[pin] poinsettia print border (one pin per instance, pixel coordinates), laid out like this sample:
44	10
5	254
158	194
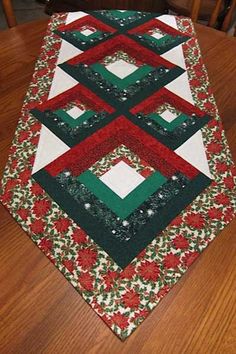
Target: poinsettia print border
123	299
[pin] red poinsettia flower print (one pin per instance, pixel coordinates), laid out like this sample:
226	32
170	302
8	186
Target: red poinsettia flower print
120	320
233	170
218	135
190	257
62	224
24	177
215	213
163	291
221	167
34	140
11	183
43	71
222	199
41	207
12	149
229	214
131	299
37	226
31	160
79	236
128	272
171	261
180	242
45	244
229	182
86	258
195	220
36	189
213	123
23	213
185	23
195	82
69	264
35	127
209	107
214	148
149	270
177	221
14	164
86	281
6	197
23	135
109	279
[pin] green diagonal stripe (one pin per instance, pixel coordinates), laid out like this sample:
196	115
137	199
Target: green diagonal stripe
127	81
169	126
122	207
71	121
82	37
121	15
159	41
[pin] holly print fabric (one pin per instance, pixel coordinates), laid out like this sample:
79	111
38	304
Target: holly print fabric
120	171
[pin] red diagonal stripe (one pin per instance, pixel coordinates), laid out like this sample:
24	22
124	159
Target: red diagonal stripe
154	23
80	93
150	104
122	131
125	44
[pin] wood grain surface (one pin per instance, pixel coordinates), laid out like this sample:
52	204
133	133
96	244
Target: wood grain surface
40	312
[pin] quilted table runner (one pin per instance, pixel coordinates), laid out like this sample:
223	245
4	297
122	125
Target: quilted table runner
119	170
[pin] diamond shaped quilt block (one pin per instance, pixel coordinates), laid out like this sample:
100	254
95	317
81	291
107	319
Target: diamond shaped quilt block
169	118
143	72
128	209
85	32
74	114
158	36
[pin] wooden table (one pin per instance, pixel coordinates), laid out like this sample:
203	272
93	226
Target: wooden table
40	312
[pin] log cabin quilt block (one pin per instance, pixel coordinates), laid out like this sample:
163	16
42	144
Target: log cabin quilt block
120	171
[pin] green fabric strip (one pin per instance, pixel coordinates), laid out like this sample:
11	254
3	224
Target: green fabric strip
82	37
122	207
128	80
160	49
169	126
71	121
159	41
122	15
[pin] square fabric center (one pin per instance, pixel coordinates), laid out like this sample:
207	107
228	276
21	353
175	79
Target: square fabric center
121	68
168	116
75	112
86	32
122	179
157	35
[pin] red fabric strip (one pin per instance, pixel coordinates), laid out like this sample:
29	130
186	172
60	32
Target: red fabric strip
165	96
122	131
125	44
79	93
154	23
